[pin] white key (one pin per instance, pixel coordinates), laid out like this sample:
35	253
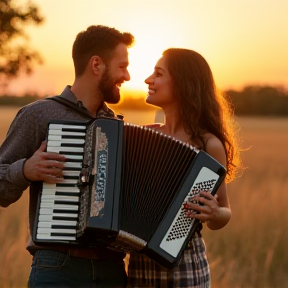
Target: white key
64	141
67	126
63	181
69	181
55	230
65	149
50	217
46	211
50	211
54	137
47	236
70	173
71	223
59	198
47	186
60	138
73	165
66	133
51	204
53	192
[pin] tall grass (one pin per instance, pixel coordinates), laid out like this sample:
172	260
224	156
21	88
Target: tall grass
251	251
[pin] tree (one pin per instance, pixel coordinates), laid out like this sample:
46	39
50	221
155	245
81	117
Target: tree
260	101
15	54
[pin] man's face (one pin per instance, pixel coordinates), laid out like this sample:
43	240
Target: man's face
115	74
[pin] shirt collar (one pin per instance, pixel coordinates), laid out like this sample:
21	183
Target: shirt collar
102	111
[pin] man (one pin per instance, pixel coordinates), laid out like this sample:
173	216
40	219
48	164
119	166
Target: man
100	56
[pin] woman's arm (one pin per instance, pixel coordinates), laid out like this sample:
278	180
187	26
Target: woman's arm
216	209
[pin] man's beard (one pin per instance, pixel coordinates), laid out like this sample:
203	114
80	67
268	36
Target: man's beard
108	89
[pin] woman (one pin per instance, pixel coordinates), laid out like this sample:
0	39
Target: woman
182	85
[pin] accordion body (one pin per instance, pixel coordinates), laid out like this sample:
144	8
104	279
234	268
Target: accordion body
125	186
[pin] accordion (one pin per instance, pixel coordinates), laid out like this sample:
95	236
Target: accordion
125	186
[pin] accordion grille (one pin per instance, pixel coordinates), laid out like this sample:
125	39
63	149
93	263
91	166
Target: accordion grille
154	166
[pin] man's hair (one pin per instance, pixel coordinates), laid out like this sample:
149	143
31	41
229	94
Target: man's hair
97	40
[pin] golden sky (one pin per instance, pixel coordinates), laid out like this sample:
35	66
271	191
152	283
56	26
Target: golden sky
244	41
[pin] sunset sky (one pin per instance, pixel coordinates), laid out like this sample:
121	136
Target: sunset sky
244	41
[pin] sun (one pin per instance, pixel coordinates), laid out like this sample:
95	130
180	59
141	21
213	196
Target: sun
142	59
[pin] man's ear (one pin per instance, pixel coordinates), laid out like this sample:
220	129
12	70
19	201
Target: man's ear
96	64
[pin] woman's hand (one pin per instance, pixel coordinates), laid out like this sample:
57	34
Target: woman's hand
203	207
211	212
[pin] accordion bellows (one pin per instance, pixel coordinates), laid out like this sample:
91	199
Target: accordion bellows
125	187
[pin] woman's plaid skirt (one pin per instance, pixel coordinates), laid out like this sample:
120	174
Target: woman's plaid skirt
192	272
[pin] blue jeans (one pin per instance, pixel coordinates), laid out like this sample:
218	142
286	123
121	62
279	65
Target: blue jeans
55	269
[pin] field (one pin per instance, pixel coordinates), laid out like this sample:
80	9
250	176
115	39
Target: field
251	251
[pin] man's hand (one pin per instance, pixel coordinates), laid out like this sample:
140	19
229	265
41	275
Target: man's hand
44	166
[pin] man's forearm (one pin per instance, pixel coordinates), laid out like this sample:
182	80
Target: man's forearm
12	182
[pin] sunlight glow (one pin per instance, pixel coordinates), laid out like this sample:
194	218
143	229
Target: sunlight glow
244	42
142	59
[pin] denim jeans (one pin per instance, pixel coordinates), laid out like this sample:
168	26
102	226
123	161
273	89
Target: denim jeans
55	269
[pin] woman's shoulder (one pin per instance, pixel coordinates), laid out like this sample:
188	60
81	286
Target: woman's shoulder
211	140
214	147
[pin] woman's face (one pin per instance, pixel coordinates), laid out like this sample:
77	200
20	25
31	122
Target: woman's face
160	86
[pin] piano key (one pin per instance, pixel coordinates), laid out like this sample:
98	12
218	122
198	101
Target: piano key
59	206
46	216
69	181
67	133
67	126
73	164
50	211
66	181
51	199
65	149
56	137
60	215
65	138
74	193
57	192
46	211
55	223
47	236
55	230
65	141
63	198
60	188
59	198
70	173
50	204
75	157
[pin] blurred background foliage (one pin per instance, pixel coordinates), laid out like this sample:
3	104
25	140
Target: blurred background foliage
250	101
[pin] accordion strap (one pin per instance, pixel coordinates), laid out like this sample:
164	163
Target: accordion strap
71	105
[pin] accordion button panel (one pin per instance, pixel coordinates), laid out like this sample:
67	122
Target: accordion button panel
182	224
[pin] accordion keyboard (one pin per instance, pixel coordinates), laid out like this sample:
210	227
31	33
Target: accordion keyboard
59	203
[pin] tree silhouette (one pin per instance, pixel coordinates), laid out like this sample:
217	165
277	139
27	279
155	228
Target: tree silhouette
260	101
15	53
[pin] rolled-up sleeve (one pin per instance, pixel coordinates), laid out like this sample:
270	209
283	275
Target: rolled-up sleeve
21	142
12	182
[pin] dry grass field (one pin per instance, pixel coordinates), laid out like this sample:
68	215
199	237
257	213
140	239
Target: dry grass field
251	251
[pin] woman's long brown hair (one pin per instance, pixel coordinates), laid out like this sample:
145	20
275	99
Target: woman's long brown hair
202	107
